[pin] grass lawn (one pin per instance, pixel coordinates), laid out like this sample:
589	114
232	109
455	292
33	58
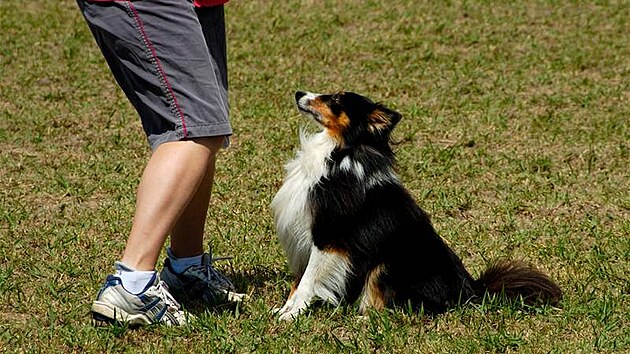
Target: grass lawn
515	138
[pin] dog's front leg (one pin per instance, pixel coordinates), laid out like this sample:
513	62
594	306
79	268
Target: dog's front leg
324	278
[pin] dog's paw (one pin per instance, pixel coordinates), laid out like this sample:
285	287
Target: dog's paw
289	311
276	311
289	315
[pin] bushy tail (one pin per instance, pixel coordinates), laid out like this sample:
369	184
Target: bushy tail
518	280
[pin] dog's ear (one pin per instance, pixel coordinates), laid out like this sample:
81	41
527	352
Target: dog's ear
383	119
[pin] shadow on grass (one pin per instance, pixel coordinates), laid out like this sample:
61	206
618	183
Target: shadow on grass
250	281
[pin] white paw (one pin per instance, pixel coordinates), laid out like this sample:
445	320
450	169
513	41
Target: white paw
289	311
289	315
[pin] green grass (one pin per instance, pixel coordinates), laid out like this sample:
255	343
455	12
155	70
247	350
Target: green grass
515	139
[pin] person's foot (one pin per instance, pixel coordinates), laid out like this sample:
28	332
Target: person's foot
154	305
200	284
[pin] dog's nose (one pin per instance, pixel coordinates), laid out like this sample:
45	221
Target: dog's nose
299	94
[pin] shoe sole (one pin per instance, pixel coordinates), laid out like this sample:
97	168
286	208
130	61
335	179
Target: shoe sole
104	312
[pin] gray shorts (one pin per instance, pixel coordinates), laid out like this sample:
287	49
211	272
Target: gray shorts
170	60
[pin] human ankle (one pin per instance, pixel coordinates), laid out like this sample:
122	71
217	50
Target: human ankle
134	281
180	264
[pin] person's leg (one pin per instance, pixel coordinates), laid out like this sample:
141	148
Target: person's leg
164	66
188	232
173	196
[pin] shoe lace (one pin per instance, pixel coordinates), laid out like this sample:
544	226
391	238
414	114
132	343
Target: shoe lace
217	278
164	294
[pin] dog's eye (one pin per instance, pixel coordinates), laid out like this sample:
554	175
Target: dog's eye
336	98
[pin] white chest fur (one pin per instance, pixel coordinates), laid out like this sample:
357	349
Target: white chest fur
291	206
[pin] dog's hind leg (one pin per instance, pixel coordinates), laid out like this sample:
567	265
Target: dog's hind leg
324	278
372	295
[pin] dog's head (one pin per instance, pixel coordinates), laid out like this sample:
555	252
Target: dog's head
349	118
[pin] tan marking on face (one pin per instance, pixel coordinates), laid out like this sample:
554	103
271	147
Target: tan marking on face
334	124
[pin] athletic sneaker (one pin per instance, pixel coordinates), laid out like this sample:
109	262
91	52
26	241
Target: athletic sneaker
200	284
154	305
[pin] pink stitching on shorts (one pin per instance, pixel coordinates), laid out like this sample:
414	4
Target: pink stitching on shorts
149	45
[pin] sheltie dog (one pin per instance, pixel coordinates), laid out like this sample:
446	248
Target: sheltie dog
353	234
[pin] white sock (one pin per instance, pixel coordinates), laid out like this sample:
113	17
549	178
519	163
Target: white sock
134	281
181	264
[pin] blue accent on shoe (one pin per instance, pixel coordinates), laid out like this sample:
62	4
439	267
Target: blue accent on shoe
150	283
149	305
154	305
111	280
160	314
